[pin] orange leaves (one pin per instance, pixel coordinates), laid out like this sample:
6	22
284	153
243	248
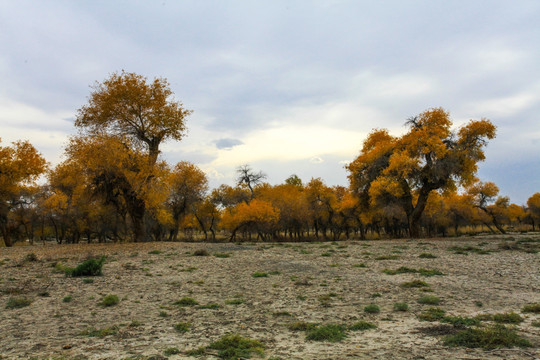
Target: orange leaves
258	212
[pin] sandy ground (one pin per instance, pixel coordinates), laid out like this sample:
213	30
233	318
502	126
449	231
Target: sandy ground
302	285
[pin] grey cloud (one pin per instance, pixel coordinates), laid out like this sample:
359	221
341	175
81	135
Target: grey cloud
227	144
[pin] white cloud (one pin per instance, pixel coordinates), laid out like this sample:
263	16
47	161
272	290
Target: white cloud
316	160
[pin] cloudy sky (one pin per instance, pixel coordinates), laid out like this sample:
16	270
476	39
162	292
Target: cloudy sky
286	86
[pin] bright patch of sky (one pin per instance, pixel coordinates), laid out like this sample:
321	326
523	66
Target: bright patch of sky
286	86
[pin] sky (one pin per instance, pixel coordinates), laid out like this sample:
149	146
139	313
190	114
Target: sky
288	87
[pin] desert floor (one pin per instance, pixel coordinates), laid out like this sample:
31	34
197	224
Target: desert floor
325	283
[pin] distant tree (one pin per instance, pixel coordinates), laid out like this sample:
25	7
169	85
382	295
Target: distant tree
430	156
533	203
485	199
294	180
247	177
20	166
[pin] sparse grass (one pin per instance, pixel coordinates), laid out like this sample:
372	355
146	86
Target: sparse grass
507	318
90	267
182	327
171	351
163	314
432	314
362	325
460	321
429	300
404	270
67	299
88	281
236	301
259	274
401	307
18	302
414	284
362	265
531	308
301	326
234	346
186	301
282	313
329	332
93	332
154	252
31	257
209	306
201	252
222	255
427	256
496	336
387	257
109	300
536	324
326	254
372	309
465	250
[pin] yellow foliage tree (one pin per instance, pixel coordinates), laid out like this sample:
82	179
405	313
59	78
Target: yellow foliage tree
429	157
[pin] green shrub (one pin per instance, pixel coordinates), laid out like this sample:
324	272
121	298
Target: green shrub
259	274
67	299
222	255
362	325
236	301
233	347
90	267
31	257
459	321
429	300
186	301
109	300
209	306
372	309
531	308
497	336
301	326
17	303
401	307
88	281
330	332
171	351
154	252
429	272
182	327
507	318
201	252
401	270
432	314
414	284
427	256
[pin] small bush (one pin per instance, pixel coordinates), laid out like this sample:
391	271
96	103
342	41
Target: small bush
154	252
459	321
401	270
362	265
17	303
415	284
201	252
109	300
93	332
507	318
330	332
401	307
427	256
236	301
210	306
186	301
432	314
259	274
222	255
182	327
88	281
233	346
372	309
387	257
429	300
497	336
31	257
362	325
90	267
171	351
429	272
67	299
531	308
301	326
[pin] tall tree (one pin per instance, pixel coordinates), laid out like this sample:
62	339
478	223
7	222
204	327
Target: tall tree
132	116
429	157
20	166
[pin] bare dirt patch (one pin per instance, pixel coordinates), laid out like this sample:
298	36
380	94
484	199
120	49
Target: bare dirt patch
325	283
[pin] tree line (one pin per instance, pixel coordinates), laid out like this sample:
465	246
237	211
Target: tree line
114	186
